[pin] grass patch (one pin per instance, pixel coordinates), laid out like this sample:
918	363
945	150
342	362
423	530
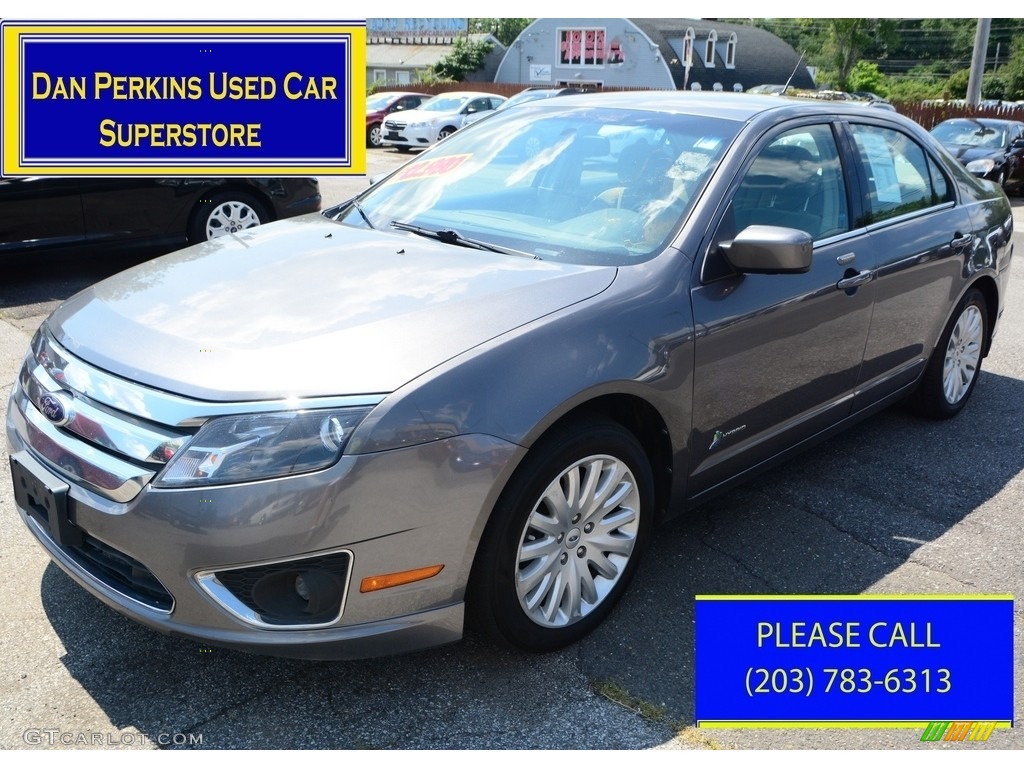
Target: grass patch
655	713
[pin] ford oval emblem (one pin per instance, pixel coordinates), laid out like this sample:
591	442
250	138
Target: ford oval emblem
56	408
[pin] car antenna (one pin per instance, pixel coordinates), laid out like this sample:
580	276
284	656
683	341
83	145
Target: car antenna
791	74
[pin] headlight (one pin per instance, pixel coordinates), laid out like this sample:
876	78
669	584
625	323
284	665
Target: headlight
984	165
237	449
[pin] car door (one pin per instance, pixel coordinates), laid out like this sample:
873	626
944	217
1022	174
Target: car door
38	213
1015	173
778	356
474	109
408	102
120	210
919	238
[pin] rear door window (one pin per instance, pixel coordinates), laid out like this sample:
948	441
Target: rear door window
900	177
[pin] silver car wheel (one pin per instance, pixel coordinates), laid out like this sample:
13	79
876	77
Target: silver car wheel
375	136
963	354
577	541
229	217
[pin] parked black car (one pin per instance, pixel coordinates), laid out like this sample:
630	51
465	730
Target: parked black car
41	214
989	148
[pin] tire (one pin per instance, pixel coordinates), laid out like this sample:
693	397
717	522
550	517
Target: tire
955	365
226	213
445	132
552	564
373	136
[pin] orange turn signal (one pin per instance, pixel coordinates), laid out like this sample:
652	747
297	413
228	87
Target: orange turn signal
387	580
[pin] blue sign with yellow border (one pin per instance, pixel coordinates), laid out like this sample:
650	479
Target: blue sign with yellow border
177	98
853	661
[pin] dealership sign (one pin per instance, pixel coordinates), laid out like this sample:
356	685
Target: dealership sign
179	98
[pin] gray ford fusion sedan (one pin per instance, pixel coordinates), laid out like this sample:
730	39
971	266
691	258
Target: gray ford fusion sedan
474	390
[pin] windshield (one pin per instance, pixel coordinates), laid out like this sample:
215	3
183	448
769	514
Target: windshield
443	103
378	101
579	185
970	133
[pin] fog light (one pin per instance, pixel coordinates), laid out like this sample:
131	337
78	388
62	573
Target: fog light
302	588
297	596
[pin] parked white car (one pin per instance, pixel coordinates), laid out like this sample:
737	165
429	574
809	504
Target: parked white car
435	119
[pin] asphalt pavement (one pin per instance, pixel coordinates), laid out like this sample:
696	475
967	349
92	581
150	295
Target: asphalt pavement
895	506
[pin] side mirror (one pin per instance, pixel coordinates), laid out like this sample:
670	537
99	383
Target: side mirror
766	250
1017	143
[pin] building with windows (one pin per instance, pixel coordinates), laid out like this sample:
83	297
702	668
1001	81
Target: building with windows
398	50
678	54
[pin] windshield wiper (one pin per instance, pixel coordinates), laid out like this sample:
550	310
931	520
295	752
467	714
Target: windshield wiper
451	237
355	204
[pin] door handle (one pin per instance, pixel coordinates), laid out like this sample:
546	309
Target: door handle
852	282
960	241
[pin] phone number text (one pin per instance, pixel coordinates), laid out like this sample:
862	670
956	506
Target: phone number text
801	681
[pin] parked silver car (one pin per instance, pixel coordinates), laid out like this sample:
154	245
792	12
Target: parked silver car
436	119
480	384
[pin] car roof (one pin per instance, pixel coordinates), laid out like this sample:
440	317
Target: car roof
730	106
464	93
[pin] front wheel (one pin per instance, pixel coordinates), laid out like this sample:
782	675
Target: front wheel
565	537
955	365
373	136
444	133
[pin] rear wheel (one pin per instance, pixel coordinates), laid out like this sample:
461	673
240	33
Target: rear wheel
226	213
955	365
565	537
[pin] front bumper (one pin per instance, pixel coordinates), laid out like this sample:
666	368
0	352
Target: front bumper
416	136
390	511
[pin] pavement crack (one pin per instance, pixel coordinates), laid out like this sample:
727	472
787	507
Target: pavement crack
742	564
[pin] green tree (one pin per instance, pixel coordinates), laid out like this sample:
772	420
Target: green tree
865	76
505	30
957	83
1013	71
994	87
914	89
849	40
466	56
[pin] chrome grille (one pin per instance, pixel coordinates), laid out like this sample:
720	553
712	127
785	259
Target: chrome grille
119	434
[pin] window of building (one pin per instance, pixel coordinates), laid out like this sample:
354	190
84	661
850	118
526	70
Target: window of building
582	47
709	50
730	52
688	47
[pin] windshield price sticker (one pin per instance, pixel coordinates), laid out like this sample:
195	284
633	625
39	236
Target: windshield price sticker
843	661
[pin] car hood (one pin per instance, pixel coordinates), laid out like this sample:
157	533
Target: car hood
966	154
308	307
421	116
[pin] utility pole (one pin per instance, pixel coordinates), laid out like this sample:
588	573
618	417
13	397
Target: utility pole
978	62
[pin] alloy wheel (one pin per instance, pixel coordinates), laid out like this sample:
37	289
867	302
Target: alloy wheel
577	541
